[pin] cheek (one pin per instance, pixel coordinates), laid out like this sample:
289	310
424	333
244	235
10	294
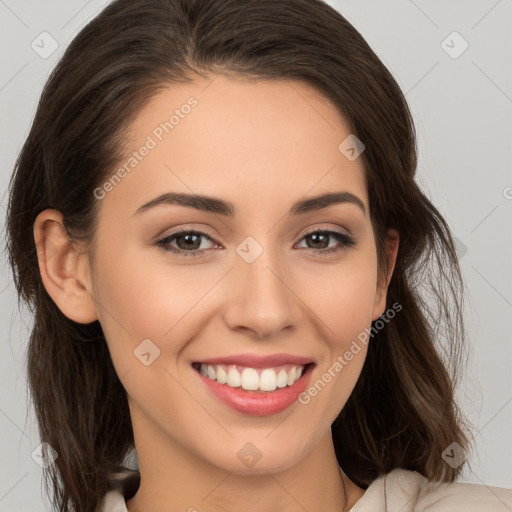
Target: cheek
341	295
342	309
141	296
140	292
341	299
144	311
130	299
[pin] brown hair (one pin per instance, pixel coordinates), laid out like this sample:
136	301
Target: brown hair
402	411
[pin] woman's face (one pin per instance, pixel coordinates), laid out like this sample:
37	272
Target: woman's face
255	282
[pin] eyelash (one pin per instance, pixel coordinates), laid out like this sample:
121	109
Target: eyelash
346	242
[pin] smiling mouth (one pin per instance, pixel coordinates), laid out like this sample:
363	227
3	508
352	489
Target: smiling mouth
253	379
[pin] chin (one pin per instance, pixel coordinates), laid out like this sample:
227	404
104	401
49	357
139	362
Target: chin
245	457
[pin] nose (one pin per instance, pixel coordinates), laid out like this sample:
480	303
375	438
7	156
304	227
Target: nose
261	298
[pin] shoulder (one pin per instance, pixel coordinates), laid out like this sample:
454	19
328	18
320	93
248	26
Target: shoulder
409	491
399	490
460	496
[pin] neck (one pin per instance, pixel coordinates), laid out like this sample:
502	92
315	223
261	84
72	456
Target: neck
174	479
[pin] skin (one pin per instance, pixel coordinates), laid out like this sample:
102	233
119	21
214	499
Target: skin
262	146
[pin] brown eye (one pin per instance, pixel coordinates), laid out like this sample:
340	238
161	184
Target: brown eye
320	239
188	242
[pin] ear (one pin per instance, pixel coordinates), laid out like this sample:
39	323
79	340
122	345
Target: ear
391	244
64	272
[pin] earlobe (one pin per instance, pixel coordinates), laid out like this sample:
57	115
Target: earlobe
391	243
60	270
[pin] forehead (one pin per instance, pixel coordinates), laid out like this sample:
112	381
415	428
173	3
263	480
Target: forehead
222	136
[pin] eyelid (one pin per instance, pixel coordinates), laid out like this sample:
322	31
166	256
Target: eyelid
322	227
189	229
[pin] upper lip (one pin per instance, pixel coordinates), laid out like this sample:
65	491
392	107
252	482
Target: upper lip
258	361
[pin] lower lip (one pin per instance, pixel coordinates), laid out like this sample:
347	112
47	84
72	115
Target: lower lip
258	403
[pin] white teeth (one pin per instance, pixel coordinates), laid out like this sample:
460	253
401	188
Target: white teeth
249	379
268	380
291	376
234	378
222	376
282	379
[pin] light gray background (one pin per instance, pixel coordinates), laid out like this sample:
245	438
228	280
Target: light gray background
462	108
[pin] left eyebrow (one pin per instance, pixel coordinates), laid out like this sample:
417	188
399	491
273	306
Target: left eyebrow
227	209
